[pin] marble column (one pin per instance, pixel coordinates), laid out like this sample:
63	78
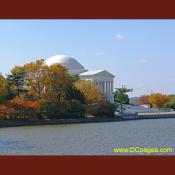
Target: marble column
112	92
101	86
107	90
105	87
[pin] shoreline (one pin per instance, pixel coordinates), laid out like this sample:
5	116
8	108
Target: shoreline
18	123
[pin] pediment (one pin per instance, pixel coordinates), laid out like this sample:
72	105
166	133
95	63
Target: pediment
104	73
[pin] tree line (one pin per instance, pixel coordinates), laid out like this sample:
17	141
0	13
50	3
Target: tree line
158	101
37	91
155	100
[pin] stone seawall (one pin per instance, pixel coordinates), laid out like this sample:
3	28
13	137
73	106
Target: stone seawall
156	115
58	121
124	117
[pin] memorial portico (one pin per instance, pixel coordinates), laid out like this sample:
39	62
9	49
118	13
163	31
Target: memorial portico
103	78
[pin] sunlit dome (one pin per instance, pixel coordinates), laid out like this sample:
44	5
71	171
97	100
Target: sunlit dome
73	66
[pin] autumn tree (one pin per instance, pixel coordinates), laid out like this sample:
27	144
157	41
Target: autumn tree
143	99
158	100
171	103
35	75
91	91
3	90
57	82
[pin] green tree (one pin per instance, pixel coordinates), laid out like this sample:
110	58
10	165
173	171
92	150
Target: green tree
101	109
15	81
73	93
75	78
121	97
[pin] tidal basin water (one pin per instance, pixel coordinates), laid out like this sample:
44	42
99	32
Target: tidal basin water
87	139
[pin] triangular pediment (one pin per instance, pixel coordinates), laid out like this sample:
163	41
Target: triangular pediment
104	73
99	73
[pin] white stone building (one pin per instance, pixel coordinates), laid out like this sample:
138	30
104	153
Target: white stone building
103	78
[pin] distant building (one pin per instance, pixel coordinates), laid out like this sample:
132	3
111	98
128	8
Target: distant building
103	78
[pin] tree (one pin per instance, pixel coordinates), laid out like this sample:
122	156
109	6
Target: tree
57	83
16	83
91	91
75	78
171	103
73	93
35	76
102	109
121	97
3	89
144	99
63	109
158	100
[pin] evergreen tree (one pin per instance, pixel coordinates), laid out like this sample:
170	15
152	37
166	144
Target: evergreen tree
121	97
15	82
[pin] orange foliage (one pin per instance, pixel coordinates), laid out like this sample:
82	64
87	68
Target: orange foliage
23	109
143	99
5	110
91	91
158	100
35	74
35	105
56	83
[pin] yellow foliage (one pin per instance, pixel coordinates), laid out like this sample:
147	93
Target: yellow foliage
158	100
91	91
35	74
56	82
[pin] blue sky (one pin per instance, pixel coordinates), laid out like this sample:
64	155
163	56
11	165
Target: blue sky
141	53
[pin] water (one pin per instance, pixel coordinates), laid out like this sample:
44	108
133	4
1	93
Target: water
87	139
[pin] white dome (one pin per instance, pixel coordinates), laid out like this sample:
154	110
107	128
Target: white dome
73	66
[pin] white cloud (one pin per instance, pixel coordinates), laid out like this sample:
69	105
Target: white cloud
119	37
143	60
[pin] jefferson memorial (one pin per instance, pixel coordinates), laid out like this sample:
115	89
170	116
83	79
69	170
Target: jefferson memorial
103	78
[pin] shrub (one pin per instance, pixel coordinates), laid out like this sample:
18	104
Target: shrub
53	109
77	110
63	109
104	109
24	109
7	113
